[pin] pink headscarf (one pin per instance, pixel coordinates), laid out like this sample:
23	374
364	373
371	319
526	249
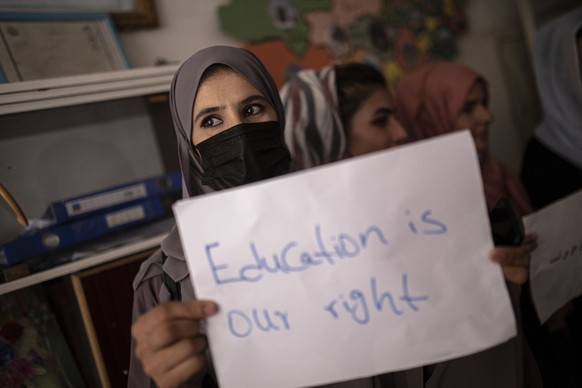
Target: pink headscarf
428	102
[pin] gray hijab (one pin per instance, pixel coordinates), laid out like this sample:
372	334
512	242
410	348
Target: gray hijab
182	96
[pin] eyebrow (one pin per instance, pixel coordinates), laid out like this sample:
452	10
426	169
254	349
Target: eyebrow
206	111
385	110
470	103
214	109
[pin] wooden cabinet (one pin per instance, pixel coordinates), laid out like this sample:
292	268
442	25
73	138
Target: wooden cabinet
92	297
103	295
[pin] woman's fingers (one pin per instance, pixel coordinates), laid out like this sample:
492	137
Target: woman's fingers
517	275
177	363
162	320
169	344
515	256
514	261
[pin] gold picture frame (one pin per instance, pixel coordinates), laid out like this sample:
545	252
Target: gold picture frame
144	15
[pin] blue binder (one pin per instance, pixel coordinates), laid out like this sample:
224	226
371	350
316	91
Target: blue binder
115	197
61	236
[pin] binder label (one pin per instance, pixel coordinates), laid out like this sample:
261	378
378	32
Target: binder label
99	201
125	216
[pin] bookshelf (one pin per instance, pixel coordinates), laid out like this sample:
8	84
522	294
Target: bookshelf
29	96
80	288
82	264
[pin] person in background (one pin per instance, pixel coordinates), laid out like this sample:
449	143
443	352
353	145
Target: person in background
551	170
552	164
346	110
337	112
444	97
440	98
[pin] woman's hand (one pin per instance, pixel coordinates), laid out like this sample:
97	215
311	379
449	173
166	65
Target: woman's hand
169	343
514	261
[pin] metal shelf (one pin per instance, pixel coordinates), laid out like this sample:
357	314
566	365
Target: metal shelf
28	96
19	97
76	266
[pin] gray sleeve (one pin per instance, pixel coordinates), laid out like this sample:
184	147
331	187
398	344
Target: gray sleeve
145	297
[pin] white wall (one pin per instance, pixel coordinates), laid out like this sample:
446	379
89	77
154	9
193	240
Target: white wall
494	41
496	47
493	46
59	153
186	26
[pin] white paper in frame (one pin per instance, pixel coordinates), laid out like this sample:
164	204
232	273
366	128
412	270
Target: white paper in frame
39	46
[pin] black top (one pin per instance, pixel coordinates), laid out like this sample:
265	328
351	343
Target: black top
546	176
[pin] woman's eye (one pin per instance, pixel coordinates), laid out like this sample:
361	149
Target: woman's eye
252	110
380	122
468	107
210	122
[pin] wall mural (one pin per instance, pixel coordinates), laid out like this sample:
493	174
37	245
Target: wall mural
394	35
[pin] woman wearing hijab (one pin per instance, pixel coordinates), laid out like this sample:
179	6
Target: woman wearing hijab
334	113
229	123
346	110
221	95
444	97
337	112
552	165
229	120
441	98
551	170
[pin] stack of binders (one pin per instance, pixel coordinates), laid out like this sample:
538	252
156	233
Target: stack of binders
86	217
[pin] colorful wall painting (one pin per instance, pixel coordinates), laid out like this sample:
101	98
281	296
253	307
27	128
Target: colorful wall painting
394	35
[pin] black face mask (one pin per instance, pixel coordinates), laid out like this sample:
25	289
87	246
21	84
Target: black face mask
243	154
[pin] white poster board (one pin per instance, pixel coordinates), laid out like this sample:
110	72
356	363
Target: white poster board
556	264
370	265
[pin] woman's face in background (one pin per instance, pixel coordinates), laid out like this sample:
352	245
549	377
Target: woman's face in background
373	126
475	116
224	100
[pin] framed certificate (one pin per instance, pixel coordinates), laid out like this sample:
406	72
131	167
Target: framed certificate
38	46
67	5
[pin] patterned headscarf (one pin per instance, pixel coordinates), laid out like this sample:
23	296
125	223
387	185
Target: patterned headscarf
314	134
428	102
557	69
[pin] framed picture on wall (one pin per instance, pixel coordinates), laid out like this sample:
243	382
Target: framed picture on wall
47	45
67	5
143	15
